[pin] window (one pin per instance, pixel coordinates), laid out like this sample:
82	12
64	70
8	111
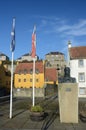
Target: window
30	80
46	79
25	71
82	91
37	80
31	71
24	80
37	71
19	80
48	64
20	71
81	63
81	77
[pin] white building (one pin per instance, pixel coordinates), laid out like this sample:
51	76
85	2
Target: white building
27	57
77	63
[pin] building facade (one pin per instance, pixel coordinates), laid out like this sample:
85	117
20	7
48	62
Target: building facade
23	77
77	64
55	60
26	57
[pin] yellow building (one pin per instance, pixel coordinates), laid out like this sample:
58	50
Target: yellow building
45	79
23	77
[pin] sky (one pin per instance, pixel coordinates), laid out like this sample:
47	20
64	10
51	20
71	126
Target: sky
57	22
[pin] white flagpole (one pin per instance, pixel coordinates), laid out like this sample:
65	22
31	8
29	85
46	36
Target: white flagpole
11	86
33	81
33	56
12	50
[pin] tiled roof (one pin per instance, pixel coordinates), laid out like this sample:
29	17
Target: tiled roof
77	52
29	66
50	74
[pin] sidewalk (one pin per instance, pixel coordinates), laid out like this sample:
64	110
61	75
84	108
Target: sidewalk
21	121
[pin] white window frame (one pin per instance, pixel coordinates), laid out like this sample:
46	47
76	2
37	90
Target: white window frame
80	63
80	78
82	91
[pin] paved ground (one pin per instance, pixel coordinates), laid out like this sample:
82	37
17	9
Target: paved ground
21	119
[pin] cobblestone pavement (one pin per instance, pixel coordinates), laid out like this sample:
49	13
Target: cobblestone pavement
21	117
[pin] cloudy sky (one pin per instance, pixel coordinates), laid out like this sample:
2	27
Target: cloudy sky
57	22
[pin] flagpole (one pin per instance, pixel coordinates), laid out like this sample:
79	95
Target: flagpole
12	47
33	54
33	81
11	86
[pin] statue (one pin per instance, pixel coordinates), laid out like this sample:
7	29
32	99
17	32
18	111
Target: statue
66	78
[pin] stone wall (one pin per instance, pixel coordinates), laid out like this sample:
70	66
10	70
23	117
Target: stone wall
51	89
27	92
39	92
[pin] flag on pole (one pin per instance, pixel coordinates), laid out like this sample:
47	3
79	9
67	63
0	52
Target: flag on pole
33	53
12	46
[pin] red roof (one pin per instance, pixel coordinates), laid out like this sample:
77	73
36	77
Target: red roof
29	66
78	52
50	74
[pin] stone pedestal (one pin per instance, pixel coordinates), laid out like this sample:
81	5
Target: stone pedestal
68	102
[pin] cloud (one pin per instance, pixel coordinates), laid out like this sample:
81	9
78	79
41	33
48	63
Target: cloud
61	27
77	29
58	25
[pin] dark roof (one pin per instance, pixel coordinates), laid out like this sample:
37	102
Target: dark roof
55	53
27	54
19	58
2	54
77	52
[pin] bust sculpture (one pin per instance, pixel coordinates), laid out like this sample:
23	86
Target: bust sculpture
66	78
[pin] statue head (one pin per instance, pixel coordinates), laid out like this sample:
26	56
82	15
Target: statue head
66	72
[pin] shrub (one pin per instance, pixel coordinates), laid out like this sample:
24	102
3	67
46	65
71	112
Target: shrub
36	108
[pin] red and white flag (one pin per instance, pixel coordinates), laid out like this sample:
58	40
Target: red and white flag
33	53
